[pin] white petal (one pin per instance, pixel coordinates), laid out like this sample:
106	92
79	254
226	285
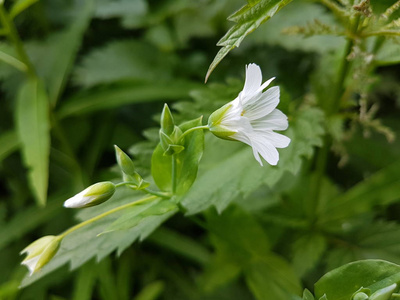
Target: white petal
31	263
264	105
78	200
276	139
276	120
265	84
266	150
253	81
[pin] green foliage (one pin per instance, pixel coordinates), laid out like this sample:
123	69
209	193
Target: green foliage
33	127
248	18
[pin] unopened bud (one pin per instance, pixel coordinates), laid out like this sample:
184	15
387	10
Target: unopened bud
124	161
385	293
40	252
167	121
93	195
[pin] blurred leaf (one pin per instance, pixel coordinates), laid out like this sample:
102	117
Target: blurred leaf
271	277
381	188
54	57
9	142
388	54
26	220
343	282
237	173
180	244
307	252
187	161
133	216
84	282
272	32
19	6
84	243
151	291
131	12
126	59
33	127
268	275
122	93
248	18
107	285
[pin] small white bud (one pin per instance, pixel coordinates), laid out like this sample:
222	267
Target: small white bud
93	195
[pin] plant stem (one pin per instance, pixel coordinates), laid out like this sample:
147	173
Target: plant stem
173	173
107	213
205	127
14	38
148	191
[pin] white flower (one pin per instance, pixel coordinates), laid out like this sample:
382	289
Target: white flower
252	118
93	195
40	252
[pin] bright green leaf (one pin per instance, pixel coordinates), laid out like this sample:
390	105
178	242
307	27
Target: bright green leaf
33	127
248	18
19	6
307	295
343	282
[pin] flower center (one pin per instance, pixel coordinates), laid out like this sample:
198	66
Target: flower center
243	112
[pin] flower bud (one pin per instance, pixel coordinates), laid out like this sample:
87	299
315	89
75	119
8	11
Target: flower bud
124	161
167	121
385	293
93	195
40	252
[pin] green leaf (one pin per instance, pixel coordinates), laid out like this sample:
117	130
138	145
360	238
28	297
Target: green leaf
151	291
380	188
131	12
307	295
229	168
343	282
122	93
181	244
19	6
388	54
268	275
271	277
33	127
9	142
248	18
137	214
187	161
307	251
54	58
129	59
84	244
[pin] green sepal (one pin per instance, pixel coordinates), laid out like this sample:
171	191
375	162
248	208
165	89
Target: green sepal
138	182
167	121
173	149
124	161
361	294
165	140
214	123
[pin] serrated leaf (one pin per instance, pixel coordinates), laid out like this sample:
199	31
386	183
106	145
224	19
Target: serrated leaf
187	161
343	282
122	93
85	244
33	127
229	168
137	214
248	18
